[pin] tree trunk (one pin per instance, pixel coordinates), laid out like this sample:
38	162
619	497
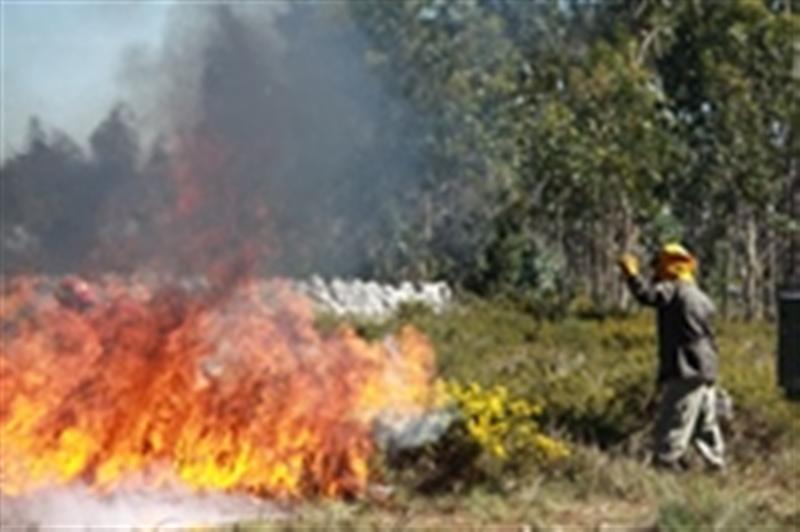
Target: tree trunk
791	264
770	284
726	276
752	300
594	265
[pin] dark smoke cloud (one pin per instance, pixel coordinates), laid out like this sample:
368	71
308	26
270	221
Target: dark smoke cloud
288	138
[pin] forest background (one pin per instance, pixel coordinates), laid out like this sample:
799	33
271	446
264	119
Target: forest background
538	141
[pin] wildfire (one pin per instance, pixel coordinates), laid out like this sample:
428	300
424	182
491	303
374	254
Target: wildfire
238	394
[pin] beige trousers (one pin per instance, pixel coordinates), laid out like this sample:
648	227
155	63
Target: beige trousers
687	415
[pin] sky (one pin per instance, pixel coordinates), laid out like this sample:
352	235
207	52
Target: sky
61	60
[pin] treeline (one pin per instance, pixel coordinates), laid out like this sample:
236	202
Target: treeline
559	134
507	147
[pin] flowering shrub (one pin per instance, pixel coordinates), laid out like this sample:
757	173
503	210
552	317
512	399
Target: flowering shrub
503	427
494	439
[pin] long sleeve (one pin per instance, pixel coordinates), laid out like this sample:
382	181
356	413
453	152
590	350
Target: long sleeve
654	295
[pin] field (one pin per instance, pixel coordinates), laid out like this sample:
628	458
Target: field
593	377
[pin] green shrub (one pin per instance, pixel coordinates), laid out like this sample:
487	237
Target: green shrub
494	437
764	418
598	376
595	379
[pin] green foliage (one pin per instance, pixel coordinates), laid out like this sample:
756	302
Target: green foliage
515	148
596	377
456	68
765	420
564	133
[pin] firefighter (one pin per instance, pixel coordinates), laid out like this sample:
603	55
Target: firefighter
688	365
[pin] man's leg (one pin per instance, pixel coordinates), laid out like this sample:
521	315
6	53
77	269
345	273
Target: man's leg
708	435
677	417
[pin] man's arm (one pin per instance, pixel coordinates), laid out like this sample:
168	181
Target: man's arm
654	295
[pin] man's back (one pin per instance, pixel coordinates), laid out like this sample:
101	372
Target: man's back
686	340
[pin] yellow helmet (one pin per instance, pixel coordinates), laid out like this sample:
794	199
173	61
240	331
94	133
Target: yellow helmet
675	262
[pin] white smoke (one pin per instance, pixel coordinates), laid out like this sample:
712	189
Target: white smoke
396	433
370	299
131	508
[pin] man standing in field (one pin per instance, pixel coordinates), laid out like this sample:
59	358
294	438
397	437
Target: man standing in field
688	365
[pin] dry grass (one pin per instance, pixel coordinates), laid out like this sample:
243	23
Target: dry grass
595	377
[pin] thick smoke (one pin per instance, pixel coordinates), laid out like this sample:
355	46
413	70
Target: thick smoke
252	124
131	509
253	141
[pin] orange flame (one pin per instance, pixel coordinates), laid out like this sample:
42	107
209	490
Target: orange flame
243	395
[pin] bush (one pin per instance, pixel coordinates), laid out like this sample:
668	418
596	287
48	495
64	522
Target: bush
596	376
591	383
764	419
504	428
493	434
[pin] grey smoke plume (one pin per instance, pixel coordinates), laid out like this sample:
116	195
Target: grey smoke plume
280	111
283	92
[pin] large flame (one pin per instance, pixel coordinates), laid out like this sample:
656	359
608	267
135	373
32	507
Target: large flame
238	394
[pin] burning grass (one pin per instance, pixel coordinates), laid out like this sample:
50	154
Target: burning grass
236	393
210	379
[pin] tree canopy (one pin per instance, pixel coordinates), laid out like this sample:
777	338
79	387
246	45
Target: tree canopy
523	146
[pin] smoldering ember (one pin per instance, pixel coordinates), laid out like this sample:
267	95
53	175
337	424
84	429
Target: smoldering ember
383	264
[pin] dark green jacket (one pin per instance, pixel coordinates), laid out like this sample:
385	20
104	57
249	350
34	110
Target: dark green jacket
686	345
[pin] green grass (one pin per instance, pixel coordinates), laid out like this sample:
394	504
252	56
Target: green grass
595	377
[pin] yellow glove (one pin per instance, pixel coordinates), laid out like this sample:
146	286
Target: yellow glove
629	265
